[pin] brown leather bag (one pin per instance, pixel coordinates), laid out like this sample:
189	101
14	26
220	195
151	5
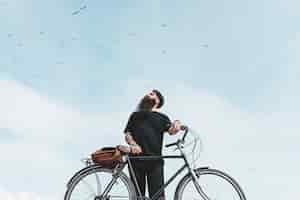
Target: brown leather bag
107	157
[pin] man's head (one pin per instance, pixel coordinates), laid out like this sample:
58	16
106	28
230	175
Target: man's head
152	100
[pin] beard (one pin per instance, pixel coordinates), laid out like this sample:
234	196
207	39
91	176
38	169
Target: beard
146	104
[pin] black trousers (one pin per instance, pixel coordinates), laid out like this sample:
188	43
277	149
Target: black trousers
153	172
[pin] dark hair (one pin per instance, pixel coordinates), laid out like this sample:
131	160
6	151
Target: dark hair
161	98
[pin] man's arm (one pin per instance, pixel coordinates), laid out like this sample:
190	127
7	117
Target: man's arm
175	127
129	139
134	147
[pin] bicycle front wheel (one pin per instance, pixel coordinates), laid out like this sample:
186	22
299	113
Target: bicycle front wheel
216	185
91	185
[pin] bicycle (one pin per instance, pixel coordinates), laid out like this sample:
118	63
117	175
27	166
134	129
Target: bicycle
106	184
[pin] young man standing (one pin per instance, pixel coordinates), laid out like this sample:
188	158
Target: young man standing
144	133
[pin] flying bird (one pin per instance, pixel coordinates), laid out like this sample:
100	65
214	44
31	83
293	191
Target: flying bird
19	44
80	9
76	12
59	62
83	7
132	34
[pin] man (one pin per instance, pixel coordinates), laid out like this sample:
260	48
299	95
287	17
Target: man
144	133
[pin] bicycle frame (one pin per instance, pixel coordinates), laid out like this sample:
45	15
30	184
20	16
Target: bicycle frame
118	173
160	191
182	155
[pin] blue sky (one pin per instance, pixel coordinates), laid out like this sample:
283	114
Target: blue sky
111	42
232	62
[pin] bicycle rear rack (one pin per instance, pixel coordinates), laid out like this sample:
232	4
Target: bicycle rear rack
87	161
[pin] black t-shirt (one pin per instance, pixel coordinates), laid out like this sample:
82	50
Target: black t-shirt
147	128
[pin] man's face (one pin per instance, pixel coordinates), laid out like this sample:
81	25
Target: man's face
152	95
149	102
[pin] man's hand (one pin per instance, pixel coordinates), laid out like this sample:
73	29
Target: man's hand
136	149
175	127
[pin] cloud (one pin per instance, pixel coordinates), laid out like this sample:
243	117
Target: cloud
250	146
289	94
4	194
27	113
51	137
290	7
48	137
43	139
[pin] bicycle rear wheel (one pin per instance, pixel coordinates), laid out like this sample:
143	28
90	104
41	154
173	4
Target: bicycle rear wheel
216	184
91	184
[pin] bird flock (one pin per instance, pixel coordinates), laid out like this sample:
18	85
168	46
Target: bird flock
74	37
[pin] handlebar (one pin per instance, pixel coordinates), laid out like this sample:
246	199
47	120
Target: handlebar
186	130
171	144
183	128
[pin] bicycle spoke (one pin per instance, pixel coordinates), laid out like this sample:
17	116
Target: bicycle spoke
215	190
118	197
99	191
101	181
91	195
79	197
214	184
89	187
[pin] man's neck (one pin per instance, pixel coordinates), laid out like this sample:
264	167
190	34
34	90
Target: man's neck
155	110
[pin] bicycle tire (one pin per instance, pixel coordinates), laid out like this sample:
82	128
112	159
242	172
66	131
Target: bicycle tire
200	173
97	171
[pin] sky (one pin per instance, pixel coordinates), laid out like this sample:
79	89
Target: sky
71	72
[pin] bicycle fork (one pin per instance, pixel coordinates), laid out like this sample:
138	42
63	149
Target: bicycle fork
197	186
194	178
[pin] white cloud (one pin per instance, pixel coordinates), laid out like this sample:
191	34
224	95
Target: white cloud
50	137
27	112
6	195
253	147
250	146
30	114
290	7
